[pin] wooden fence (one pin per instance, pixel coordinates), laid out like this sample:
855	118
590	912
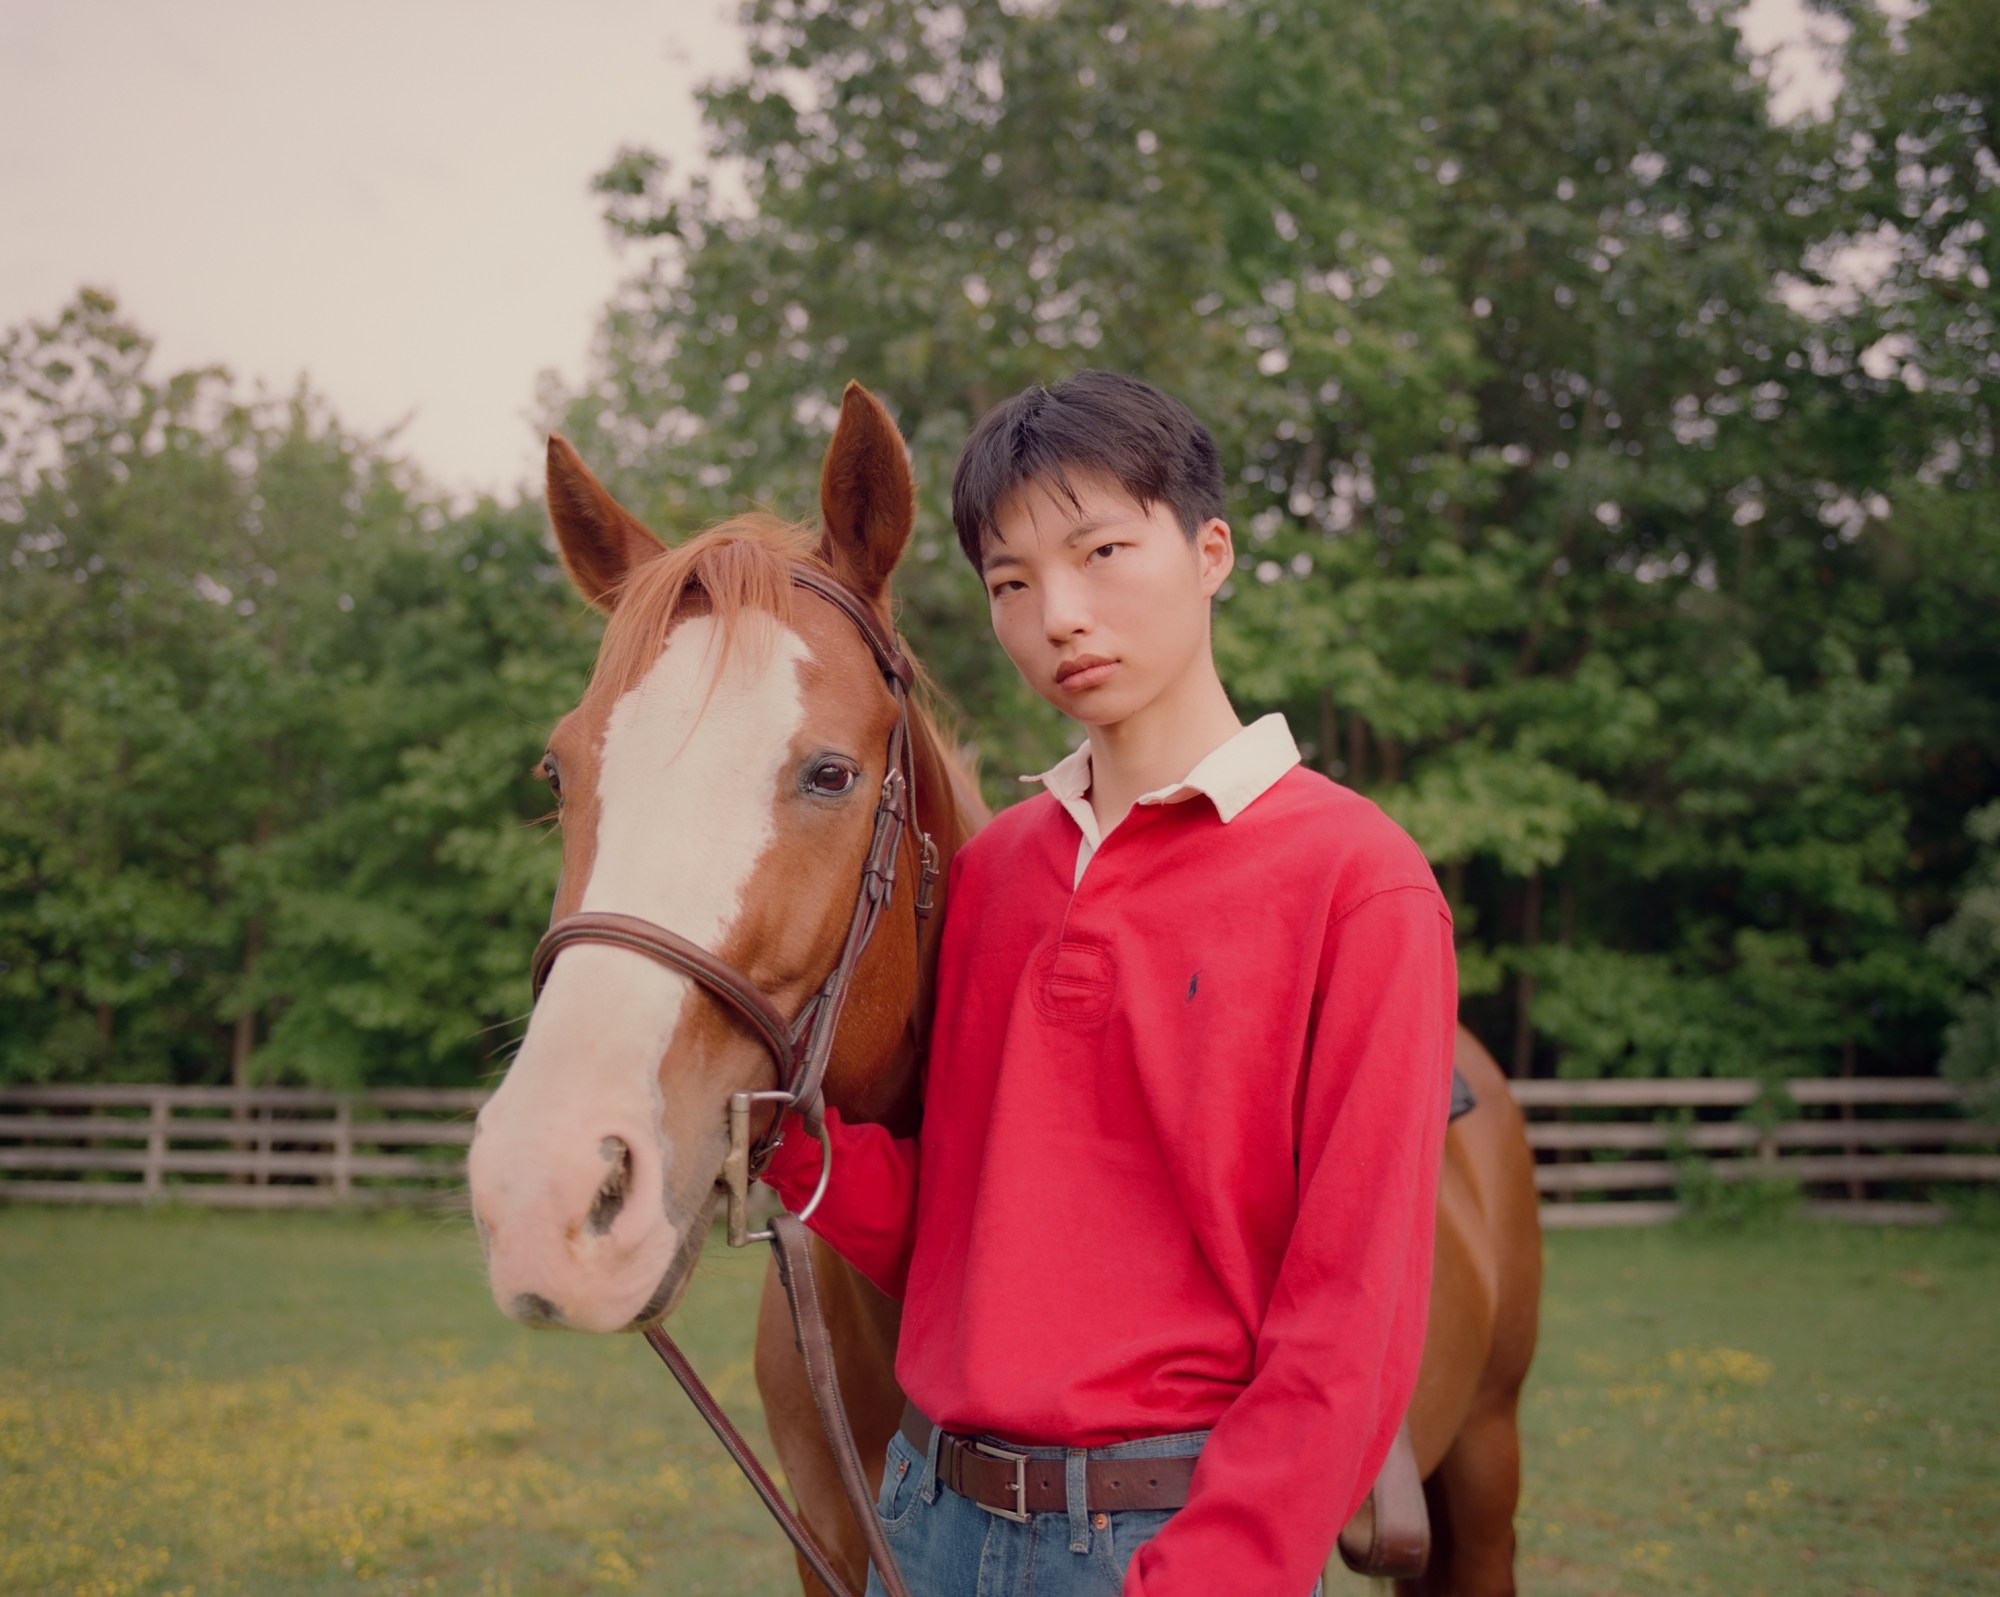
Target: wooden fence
1858	1148
1607	1152
265	1148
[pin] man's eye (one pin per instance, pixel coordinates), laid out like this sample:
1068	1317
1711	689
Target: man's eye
832	778
1102	550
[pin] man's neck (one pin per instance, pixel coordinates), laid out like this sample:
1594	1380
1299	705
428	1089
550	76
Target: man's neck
1159	746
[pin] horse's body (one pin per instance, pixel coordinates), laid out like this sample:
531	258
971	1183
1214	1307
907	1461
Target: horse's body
1485	1289
706	778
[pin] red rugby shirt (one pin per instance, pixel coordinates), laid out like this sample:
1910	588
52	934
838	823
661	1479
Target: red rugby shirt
1178	1166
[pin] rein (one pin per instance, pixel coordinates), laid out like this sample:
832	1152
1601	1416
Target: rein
801	1049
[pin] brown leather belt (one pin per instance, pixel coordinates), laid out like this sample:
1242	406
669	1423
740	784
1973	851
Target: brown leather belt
1014	1485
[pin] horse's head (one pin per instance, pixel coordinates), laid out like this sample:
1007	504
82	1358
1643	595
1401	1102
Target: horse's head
719	779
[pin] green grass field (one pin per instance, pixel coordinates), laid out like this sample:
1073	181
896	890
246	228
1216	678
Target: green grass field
311	1404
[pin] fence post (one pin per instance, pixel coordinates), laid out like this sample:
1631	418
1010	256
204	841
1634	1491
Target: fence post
155	1180
343	1148
1769	1104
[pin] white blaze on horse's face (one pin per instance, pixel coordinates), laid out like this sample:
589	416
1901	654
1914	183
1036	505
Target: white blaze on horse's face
588	1214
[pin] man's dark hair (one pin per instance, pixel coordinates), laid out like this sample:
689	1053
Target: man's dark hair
1095	421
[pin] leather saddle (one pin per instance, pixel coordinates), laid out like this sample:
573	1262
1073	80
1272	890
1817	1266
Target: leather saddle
1389	1537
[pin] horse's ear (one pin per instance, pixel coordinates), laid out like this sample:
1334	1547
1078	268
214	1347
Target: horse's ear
598	538
867	497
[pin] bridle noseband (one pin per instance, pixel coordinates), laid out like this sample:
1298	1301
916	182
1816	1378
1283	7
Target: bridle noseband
801	1047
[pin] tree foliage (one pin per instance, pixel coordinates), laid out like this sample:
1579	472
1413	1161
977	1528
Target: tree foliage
1612	468
1589	518
1969	943
265	712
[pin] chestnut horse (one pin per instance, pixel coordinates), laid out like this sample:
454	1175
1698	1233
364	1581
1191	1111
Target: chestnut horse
718	778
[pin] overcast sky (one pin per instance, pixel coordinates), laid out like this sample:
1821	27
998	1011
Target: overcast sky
391	196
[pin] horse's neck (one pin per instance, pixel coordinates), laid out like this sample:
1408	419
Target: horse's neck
948	809
948	802
954	811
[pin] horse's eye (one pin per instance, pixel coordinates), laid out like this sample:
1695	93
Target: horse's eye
832	778
553	773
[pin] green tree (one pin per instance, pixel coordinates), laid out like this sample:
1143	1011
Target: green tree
1559	494
1969	943
262	799
1913	330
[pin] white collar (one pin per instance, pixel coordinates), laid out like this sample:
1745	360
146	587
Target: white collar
1233	776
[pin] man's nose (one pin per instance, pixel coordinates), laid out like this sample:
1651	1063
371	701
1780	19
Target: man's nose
1064	611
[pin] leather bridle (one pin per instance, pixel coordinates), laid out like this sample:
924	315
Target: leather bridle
801	1047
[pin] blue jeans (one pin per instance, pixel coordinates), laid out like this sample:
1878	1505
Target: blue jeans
948	1546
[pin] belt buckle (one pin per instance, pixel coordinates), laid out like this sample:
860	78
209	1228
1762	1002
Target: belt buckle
1019	1486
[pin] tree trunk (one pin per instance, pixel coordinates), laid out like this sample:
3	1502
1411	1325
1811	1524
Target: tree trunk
1392	759
1524	981
243	1037
1856	1189
243	1043
243	1034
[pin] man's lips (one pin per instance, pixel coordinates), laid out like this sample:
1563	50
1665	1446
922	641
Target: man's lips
1085	671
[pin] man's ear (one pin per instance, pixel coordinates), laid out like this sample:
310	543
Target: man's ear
598	538
1215	554
867	496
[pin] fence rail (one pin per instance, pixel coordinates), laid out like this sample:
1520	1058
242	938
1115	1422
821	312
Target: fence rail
1607	1152
1862	1148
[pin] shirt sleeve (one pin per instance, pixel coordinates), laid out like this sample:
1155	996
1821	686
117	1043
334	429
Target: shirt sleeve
869	1211
1337	1355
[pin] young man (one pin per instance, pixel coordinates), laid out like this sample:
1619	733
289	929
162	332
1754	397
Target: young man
1164	1240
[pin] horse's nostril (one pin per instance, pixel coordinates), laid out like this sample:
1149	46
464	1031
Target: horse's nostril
611	1191
534	1309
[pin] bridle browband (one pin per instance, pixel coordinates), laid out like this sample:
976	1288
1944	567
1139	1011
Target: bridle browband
801	1047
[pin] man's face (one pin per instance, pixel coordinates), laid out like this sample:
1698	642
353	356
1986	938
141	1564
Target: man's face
1101	605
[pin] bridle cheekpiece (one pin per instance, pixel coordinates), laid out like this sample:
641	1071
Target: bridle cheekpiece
801	1047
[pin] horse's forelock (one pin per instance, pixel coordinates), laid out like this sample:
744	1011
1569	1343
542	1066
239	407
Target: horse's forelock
741	565
744	565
